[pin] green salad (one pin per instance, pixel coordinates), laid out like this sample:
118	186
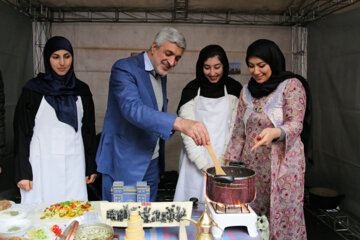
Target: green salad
41	233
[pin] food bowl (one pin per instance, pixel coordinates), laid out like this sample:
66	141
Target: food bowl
15	228
94	231
12	214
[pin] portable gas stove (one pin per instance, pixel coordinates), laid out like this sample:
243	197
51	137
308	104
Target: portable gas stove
231	216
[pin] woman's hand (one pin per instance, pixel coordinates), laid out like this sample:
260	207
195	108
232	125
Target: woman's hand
90	179
266	137
25	184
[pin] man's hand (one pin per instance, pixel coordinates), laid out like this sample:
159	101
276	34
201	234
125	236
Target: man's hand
91	178
196	130
266	137
25	184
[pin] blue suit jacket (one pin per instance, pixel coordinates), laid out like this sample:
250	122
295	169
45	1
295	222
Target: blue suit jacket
132	123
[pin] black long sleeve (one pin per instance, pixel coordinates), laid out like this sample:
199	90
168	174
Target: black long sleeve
24	121
2	123
89	134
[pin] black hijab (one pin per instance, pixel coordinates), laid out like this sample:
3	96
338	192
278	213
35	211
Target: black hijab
60	91
208	89
270	52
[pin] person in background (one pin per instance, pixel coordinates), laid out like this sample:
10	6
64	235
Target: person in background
212	98
274	111
54	127
136	123
2	124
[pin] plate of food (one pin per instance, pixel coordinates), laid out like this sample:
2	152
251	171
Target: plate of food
15	228
44	231
13	213
6	204
66	210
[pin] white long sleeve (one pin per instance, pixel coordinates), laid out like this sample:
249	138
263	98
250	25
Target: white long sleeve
194	152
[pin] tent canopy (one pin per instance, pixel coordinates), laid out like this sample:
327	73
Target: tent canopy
256	12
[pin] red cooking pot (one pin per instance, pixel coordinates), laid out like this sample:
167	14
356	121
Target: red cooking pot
241	190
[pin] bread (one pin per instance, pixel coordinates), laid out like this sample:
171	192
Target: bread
4	204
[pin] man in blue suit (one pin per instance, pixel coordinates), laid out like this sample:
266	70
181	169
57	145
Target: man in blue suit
136	124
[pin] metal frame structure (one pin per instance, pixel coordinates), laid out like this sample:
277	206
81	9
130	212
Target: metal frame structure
299	12
297	15
345	226
42	32
299	50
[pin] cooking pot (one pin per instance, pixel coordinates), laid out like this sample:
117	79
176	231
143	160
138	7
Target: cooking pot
324	198
241	190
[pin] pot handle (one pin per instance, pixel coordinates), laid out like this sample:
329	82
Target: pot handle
224	178
193	222
237	164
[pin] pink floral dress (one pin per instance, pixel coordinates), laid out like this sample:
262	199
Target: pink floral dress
279	167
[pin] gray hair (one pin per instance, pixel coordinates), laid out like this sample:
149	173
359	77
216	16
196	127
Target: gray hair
171	35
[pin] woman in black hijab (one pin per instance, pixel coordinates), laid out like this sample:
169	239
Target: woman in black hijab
212	99
273	116
54	126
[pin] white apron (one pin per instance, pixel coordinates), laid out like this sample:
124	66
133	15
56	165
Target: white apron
215	113
57	159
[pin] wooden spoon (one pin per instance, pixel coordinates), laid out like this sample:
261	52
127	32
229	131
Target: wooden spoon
220	175
218	169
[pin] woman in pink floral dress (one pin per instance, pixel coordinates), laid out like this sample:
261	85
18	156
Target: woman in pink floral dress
267	137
